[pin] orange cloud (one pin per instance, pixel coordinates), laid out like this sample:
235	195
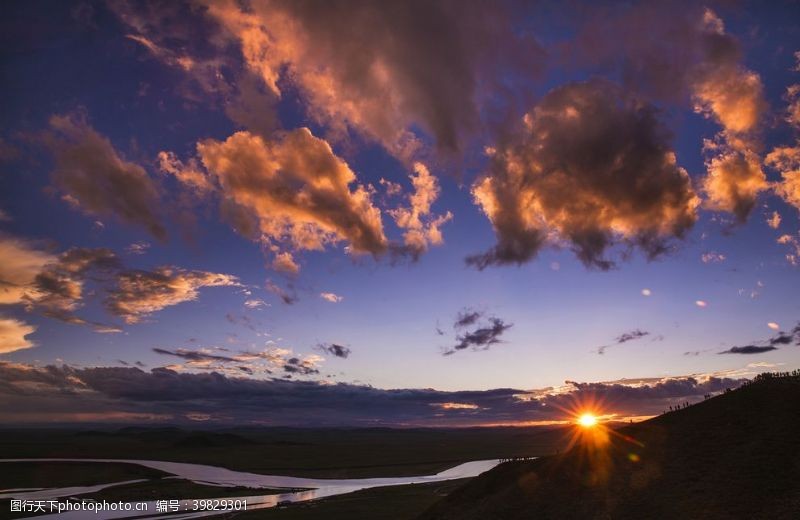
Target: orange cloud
391	69
786	160
421	227
190	174
734	180
293	191
138	294
13	335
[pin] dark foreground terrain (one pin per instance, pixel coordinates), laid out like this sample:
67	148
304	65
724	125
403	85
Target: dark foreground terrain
302	452
733	456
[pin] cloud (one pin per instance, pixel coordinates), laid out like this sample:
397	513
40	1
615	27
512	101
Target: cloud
137	248
734	179
285	263
481	338
193	355
749	349
781	338
774	221
422	65
38	394
624	338
712	257
20	263
293	191
678	53
95	179
701	303
255	303
224	361
288	297
786	160
793	256
139	293
305	366
190	174
13	335
335	350
331	297
591	167
51	284
467	317
422	229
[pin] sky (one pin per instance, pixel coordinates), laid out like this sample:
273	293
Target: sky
401	213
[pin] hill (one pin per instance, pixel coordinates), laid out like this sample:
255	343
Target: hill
736	455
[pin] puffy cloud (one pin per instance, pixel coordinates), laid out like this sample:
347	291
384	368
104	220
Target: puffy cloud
34	393
680	52
293	191
97	180
285	263
786	160
13	335
734	179
138	293
591	167
421	227
331	297
190	174
419	63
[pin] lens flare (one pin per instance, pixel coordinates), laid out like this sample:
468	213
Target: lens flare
587	420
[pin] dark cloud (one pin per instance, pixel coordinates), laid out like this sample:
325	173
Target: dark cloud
36	394
624	338
334	350
749	349
781	338
193	355
97	180
590	167
481	338
300	366
289	297
467	317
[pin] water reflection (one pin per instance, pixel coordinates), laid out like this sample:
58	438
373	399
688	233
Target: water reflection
215	476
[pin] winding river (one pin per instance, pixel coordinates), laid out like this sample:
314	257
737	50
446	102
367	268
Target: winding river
216	476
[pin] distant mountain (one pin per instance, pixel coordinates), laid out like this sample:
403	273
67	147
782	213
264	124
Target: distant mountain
733	456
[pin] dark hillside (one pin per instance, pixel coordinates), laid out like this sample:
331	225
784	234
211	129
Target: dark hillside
736	455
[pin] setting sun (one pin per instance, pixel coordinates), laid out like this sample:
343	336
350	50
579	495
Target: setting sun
587	420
